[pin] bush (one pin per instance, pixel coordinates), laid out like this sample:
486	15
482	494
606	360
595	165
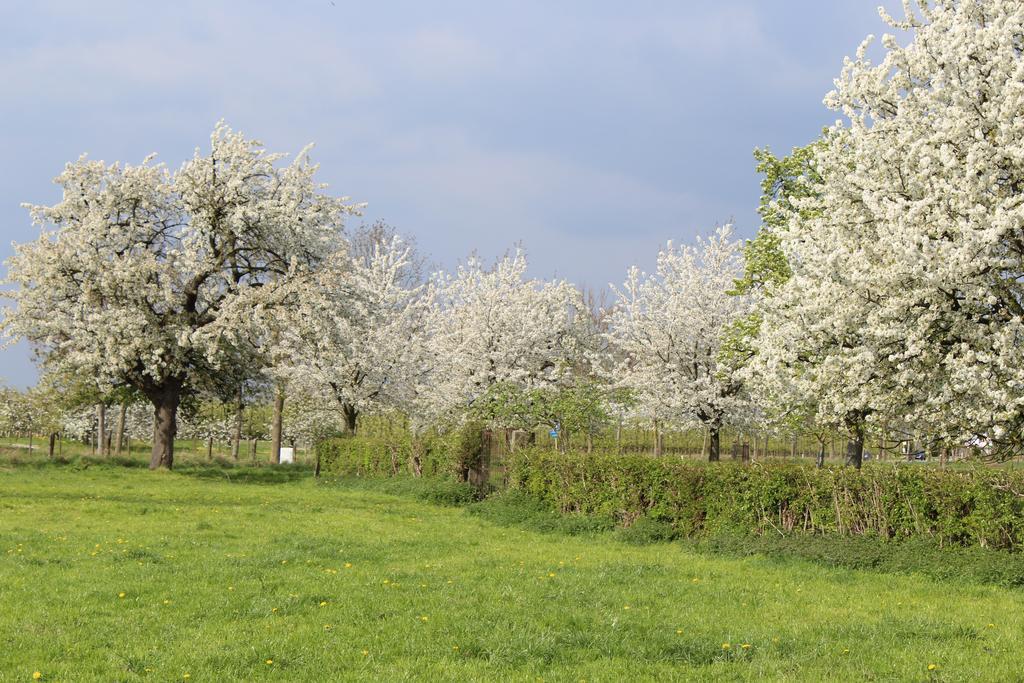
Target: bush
977	507
450	455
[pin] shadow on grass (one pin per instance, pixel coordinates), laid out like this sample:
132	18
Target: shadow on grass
220	469
247	474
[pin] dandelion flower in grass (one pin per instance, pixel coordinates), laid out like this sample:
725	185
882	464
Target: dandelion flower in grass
991	626
121	595
348	565
679	631
625	607
933	667
186	675
726	646
270	662
327	627
424	618
745	646
366	653
167	602
551	575
455	647
37	675
323	603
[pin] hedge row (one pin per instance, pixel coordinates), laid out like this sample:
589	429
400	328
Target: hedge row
977	507
449	456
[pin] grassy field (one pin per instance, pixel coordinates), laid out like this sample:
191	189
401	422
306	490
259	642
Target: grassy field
206	574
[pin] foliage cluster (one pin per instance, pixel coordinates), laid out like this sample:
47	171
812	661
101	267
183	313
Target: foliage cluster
972	507
447	456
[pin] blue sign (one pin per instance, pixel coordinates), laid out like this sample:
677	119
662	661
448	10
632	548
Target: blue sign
553	433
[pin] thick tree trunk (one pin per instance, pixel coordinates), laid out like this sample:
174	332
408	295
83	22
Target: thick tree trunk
252	450
119	439
275	427
713	437
855	446
820	461
351	416
165	402
236	439
101	428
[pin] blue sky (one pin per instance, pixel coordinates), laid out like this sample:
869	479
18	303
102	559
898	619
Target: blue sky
592	132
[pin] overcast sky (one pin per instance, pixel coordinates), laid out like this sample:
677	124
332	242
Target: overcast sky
592	132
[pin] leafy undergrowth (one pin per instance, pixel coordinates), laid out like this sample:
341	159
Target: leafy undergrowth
110	573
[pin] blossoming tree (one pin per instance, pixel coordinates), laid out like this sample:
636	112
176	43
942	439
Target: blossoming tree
358	333
666	331
148	278
489	327
905	299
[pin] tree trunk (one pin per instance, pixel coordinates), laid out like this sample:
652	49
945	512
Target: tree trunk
119	440
657	438
165	402
275	427
101	428
209	448
53	443
252	450
236	439
820	461
30	443
855	446
351	415
713	438
792	447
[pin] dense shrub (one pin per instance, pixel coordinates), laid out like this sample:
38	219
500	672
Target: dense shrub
976	507
449	455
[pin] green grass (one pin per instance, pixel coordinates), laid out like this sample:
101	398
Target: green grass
225	569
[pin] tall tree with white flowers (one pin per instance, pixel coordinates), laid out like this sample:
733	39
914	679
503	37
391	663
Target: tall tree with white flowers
148	278
493	326
906	296
666	333
357	335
